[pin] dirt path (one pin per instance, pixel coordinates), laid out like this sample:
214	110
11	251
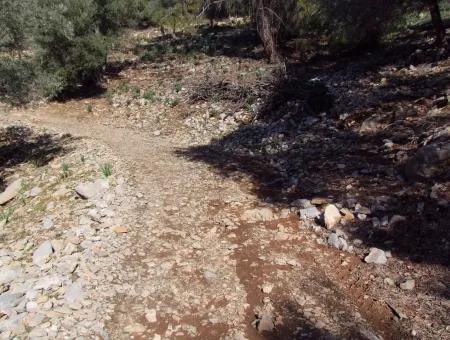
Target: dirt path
197	268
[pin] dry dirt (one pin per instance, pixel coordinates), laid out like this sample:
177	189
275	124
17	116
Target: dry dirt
200	267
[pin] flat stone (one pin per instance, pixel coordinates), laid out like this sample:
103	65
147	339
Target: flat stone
35	191
42	253
376	256
74	292
11	191
150	315
9	273
88	190
408	284
320	201
47	222
332	216
338	242
258	214
362	210
267	288
48	282
389	281
265	324
10	300
135	328
396	219
301	203
310	213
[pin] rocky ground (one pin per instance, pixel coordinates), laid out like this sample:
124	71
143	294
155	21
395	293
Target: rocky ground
205	194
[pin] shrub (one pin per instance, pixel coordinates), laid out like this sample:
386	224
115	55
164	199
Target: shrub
71	50
16	80
106	170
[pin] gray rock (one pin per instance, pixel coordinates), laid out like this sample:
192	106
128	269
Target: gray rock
429	161
408	284
8	274
302	203
35	191
376	256
310	213
135	328
74	292
258	214
333	240
338	242
389	281
88	190
209	275
10	300
42	253
331	216
47	222
150	315
48	282
265	323
362	210
11	191
371	125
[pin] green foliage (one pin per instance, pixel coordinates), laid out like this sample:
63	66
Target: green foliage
69	45
106	169
65	170
135	92
178	87
6	214
149	95
15	23
172	102
17	78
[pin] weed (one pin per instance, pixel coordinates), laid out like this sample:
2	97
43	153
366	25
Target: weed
6	214
82	158
149	95
178	87
259	73
172	102
135	92
38	160
109	97
106	170
65	170
123	87
89	108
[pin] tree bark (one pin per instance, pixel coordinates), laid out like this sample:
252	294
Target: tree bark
267	29
436	20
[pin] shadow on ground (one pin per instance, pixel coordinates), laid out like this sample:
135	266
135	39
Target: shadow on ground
20	145
219	41
336	128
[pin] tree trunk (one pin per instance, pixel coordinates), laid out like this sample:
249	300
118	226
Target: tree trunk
267	29
436	20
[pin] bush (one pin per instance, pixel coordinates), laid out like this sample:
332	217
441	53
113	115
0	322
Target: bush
71	51
15	23
16	80
349	23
